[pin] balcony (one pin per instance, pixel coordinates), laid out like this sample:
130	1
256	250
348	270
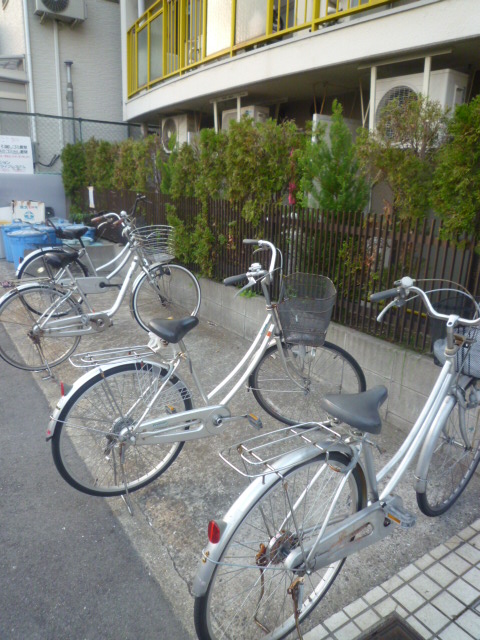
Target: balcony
175	36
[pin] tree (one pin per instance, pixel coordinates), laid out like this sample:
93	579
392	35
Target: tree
456	183
330	170
402	152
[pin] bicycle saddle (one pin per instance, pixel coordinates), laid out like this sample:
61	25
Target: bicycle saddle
173	330
60	259
71	234
359	410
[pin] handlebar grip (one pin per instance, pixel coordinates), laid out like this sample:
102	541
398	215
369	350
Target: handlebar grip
247	241
117	223
383	295
97	219
234	279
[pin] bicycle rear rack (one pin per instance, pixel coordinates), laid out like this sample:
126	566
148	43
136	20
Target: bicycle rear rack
261	454
90	359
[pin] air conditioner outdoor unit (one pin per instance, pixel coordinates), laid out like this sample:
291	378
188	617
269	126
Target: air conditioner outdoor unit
181	126
259	114
447	86
64	10
352	124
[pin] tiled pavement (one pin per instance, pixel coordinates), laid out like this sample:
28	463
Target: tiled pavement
438	597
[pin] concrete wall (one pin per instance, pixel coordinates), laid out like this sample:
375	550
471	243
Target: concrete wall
42	188
409	377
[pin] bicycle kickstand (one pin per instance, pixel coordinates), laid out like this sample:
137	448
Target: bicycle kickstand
126	496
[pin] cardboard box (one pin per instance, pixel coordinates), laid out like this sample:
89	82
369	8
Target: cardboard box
29	211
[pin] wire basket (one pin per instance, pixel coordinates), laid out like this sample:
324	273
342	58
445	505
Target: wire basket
306	308
156	242
467	358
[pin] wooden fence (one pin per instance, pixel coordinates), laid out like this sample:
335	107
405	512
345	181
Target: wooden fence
361	254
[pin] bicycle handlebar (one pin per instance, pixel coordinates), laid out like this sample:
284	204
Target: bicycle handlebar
404	287
234	279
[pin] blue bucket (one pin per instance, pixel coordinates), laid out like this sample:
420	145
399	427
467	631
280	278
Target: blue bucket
25	240
6	230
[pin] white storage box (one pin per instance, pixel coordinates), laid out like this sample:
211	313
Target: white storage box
29	211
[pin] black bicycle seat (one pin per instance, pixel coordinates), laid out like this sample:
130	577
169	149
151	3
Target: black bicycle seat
172	330
359	410
60	259
71	234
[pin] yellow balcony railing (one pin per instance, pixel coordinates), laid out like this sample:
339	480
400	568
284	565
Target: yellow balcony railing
174	36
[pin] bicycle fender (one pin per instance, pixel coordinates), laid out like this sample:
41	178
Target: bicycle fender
429	445
35	254
24	287
229	523
54	418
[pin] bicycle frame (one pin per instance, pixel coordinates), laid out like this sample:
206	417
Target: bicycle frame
336	541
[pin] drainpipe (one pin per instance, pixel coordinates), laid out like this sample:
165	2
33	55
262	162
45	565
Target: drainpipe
28	55
56	56
373	94
69	96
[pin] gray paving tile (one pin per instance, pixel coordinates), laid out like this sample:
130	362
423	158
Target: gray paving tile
440	574
356	607
409	598
455	563
470	621
426	587
449	605
419	628
349	632
463	591
454	632
431	617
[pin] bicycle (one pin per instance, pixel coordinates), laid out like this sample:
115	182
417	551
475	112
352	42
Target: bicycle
47	318
315	498
124	423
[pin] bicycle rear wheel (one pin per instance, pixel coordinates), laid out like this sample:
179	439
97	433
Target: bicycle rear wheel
91	447
169	291
32	349
37	266
455	455
291	395
247	596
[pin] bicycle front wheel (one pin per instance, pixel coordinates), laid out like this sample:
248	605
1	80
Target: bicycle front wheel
248	593
289	387
455	456
168	291
31	348
37	266
91	445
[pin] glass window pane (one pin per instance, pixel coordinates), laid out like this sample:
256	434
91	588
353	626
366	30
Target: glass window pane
156	42
219	25
142	57
251	20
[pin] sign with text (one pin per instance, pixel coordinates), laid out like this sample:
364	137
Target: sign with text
16	155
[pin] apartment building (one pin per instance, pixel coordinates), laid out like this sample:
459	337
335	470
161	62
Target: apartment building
188	64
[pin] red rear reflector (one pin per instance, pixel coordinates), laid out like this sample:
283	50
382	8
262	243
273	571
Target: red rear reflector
62	389
213	532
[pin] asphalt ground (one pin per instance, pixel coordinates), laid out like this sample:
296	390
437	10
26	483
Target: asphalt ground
167	531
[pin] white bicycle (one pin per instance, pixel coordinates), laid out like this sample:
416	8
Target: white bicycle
316	499
46	318
125	422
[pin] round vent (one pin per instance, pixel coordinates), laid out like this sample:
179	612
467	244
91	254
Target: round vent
56	6
169	130
400	93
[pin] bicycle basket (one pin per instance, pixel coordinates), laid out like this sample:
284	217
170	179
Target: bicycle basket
306	308
156	242
466	360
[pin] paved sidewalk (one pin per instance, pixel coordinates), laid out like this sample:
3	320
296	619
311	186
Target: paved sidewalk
438	596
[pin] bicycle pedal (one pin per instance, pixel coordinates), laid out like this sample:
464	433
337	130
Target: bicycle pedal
254	421
400	516
170	410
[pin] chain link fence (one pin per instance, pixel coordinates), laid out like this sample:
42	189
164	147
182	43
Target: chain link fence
49	134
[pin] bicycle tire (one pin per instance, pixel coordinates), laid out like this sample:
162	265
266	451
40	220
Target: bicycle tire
453	461
30	350
248	587
36	266
321	370
85	446
176	295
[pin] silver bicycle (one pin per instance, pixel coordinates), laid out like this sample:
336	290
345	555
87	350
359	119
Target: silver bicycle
125	422
316	499
46	318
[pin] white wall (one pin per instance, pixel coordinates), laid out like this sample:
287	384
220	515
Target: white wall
94	48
